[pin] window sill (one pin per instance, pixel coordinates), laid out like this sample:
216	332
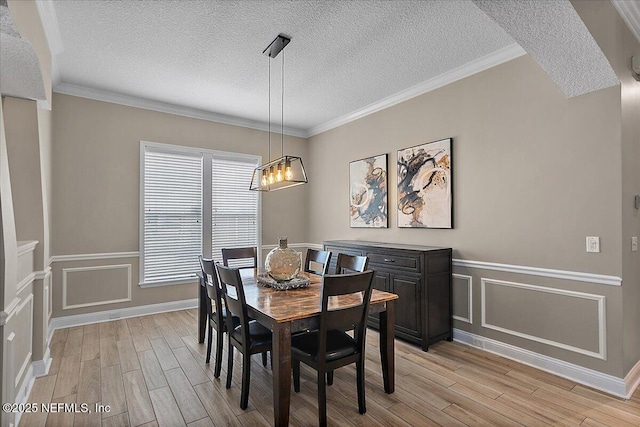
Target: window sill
187	281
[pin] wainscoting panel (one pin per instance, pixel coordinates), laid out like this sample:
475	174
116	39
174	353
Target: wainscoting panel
95	285
573	321
463	298
23	327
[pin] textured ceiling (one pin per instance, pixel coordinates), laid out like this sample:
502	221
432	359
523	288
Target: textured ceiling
346	59
554	35
207	55
20	74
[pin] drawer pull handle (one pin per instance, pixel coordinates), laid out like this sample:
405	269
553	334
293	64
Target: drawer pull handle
389	260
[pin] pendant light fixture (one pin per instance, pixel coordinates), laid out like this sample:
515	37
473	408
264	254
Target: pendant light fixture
286	171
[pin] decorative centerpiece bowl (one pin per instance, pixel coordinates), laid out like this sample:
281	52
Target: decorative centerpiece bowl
295	283
282	263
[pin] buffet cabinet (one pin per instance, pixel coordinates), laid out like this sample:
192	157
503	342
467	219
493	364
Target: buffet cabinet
419	275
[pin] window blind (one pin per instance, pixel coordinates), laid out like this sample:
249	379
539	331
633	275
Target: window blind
172	236
234	208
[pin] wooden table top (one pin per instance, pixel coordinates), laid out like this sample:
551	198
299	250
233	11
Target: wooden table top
295	304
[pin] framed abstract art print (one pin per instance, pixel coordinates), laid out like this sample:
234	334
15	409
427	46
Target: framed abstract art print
425	198
368	192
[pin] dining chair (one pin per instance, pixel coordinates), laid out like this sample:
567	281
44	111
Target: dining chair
318	257
348	264
330	347
249	337
351	263
217	318
249	253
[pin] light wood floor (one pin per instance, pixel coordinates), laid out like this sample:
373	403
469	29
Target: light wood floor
151	372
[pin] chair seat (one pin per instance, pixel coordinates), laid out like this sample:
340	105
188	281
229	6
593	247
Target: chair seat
259	334
234	319
339	345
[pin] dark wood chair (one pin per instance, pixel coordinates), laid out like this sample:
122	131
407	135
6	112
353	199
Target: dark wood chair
215	313
250	253
351	263
318	257
249	337
330	347
348	264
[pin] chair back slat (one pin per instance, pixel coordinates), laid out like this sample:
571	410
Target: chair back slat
347	320
318	257
214	292
351	263
233	292
249	255
354	290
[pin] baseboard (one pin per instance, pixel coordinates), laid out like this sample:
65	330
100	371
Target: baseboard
122	313
50	333
41	367
632	380
25	391
608	383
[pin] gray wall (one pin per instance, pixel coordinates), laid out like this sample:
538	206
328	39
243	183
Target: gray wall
619	45
534	173
525	169
96	167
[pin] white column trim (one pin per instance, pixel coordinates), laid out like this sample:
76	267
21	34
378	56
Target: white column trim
22	285
26	246
26	363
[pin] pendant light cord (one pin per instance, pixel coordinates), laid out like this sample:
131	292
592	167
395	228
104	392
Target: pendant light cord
282	114
269	59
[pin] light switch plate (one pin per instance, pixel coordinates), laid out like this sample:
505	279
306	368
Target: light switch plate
634	243
593	244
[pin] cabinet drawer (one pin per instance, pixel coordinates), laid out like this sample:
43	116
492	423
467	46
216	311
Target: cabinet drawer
405	262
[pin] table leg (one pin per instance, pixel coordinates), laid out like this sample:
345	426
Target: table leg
387	354
202	310
281	358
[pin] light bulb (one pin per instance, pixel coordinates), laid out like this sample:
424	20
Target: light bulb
279	173
264	181
288	172
271	177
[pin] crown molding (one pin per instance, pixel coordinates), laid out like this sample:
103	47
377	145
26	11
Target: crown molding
491	60
49	20
163	107
488	61
630	13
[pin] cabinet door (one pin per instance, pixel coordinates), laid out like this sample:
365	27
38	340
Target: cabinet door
407	310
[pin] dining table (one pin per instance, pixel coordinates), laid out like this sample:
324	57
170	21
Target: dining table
288	311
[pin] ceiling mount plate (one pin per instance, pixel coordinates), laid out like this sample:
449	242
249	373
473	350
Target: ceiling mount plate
276	46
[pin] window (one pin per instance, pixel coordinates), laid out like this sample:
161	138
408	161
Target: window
234	209
178	219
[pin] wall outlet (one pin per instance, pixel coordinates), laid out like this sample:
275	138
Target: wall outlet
634	243
593	244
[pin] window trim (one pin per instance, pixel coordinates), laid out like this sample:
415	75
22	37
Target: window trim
207	155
